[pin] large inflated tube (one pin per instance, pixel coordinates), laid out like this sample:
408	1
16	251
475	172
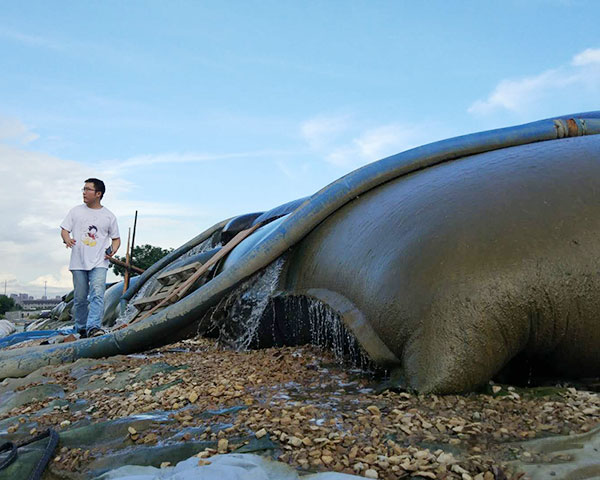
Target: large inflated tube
280	211
237	224
293	228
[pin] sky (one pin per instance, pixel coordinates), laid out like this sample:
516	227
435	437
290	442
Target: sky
196	111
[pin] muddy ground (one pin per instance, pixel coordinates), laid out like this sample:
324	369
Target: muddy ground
298	405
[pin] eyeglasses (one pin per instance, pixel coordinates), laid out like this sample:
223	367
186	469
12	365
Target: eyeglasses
86	189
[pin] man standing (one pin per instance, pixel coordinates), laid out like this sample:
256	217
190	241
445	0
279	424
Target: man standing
91	232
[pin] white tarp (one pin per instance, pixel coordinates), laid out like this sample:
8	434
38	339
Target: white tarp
6	328
234	466
565	456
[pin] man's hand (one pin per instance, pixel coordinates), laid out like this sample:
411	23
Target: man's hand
66	238
114	246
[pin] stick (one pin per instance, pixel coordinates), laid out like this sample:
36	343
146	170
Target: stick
124	265
127	270
133	237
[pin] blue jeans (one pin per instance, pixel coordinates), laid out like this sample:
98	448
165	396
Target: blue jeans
88	301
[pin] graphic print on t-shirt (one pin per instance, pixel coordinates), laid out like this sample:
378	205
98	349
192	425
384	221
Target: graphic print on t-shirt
89	237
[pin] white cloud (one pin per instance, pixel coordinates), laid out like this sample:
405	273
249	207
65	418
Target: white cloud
284	168
321	131
31	40
574	84
13	130
386	140
376	143
61	281
146	160
347	145
124	207
587	57
118	167
36	192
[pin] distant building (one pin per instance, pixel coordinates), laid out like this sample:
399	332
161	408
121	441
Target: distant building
39	303
27	302
20	297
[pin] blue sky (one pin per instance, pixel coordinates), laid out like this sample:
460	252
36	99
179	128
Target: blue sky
196	111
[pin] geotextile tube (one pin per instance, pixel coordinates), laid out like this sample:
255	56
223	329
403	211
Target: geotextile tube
153	330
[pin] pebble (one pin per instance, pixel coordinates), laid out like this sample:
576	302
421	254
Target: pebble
318	430
223	445
374	410
425	474
295	441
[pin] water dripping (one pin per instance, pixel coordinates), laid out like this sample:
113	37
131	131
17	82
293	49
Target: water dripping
238	318
326	329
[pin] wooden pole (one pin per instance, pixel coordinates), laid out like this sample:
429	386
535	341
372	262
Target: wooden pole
133	236
130	253
128	267
120	263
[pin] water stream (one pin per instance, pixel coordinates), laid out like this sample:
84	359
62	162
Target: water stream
257	315
237	318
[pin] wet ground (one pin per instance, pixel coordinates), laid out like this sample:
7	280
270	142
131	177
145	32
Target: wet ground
294	404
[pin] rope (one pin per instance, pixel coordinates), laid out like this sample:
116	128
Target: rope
37	472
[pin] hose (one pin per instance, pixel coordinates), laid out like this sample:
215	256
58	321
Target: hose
41	465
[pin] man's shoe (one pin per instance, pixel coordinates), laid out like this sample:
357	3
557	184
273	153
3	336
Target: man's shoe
82	333
96	332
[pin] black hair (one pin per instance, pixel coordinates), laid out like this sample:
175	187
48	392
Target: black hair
98	185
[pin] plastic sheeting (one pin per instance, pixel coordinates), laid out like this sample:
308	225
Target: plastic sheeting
234	466
565	456
33	335
6	328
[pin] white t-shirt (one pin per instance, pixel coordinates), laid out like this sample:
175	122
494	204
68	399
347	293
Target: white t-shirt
93	230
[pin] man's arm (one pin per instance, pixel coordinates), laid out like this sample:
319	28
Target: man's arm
116	243
66	238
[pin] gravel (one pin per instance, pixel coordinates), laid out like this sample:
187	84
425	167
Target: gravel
322	416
